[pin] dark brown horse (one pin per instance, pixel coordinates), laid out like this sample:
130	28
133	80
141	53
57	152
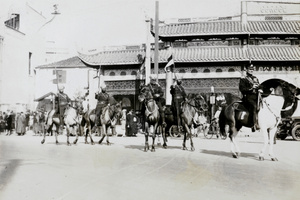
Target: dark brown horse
152	117
277	96
71	120
110	115
192	111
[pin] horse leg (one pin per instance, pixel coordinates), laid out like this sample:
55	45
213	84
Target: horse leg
235	150
153	143
191	140
89	132
164	137
68	135
48	130
75	130
107	136
56	133
184	137
266	141
272	133
102	134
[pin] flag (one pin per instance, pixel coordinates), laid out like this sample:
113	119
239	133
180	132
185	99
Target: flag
170	65
142	67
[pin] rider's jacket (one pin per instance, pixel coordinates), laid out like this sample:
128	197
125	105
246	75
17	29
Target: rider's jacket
246	85
103	99
156	90
178	92
62	99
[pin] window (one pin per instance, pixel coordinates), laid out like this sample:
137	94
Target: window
112	73
219	70
231	70
206	71
194	71
123	73
14	21
133	73
182	71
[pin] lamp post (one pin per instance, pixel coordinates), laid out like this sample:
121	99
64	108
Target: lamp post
212	101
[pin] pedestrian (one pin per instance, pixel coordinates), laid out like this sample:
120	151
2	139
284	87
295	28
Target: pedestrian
10	123
20	124
2	123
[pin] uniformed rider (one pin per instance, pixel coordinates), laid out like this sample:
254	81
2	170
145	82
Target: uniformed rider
102	101
178	96
158	93
249	87
63	101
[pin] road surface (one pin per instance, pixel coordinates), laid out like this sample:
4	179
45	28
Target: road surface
34	171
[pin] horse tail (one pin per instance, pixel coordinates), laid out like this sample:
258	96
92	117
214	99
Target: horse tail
222	123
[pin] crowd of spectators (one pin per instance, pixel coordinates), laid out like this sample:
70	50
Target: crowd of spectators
20	122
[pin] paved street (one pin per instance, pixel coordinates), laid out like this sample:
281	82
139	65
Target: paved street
30	170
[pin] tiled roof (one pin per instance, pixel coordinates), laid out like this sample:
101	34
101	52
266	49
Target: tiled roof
70	62
275	53
230	27
199	54
121	57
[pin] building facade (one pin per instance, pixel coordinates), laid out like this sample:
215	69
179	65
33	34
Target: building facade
209	53
21	50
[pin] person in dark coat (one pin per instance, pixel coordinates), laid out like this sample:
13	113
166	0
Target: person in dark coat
11	122
103	99
178	96
63	101
21	124
249	87
131	124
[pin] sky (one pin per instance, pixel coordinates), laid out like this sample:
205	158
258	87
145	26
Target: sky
92	24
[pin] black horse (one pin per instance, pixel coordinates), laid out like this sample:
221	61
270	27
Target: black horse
277	97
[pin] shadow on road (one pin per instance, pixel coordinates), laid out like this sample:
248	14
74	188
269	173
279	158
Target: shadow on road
228	154
7	173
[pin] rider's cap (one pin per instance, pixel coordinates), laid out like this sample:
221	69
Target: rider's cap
251	67
61	87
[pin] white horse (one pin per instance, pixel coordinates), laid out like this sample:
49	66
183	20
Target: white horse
279	95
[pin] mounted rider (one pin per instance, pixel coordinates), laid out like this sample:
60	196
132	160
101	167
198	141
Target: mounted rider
178	96
158	93
62	101
250	88
102	101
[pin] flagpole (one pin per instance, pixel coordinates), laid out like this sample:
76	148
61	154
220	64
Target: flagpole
156	40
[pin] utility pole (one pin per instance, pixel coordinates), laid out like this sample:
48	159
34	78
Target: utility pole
148	52
156	40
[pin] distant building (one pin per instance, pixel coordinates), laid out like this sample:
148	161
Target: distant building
21	50
210	52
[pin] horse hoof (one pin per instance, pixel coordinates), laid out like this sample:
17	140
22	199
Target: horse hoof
75	142
235	156
43	141
56	142
260	158
165	146
153	150
108	143
184	148
193	149
92	143
274	159
145	149
86	143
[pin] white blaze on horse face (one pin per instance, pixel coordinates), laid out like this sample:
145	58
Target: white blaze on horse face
243	115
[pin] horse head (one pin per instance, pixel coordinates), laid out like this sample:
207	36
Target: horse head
285	89
78	105
145	94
